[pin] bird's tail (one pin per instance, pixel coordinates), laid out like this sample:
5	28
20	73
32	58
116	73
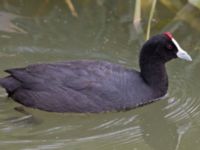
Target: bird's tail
10	84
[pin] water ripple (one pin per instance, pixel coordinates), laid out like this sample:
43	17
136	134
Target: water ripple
179	110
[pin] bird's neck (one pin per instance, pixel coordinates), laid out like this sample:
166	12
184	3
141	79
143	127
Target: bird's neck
155	75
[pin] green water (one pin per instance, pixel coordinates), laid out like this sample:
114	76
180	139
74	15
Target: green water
37	31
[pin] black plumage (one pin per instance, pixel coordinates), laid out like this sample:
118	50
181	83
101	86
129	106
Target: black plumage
93	86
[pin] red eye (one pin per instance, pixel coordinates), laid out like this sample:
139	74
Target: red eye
169	46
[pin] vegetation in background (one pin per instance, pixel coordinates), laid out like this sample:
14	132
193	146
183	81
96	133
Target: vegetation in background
150	18
141	4
143	13
137	12
71	7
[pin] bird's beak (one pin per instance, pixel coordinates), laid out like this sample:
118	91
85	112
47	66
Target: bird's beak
181	53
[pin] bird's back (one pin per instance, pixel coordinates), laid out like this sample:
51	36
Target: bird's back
75	86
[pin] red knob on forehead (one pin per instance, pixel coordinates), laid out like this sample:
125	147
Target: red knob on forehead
169	35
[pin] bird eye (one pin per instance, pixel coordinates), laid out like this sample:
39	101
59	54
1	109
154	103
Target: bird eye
169	46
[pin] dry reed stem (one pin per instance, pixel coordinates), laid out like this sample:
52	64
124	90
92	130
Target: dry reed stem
72	8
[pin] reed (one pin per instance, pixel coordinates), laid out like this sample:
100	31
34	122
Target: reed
150	18
137	15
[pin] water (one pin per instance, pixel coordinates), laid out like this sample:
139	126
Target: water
45	31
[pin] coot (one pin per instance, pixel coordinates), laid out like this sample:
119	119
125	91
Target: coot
95	86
